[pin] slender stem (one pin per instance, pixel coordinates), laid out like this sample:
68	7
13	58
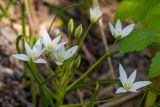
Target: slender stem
84	36
68	6
96	102
92	67
49	62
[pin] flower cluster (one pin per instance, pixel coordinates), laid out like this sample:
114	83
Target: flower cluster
118	32
46	44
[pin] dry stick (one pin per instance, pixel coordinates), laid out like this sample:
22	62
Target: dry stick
121	100
33	21
106	48
81	96
91	59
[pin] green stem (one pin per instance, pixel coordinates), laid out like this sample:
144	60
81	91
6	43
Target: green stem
84	36
49	62
93	83
92	67
96	102
60	96
68	6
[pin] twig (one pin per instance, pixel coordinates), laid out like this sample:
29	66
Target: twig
24	101
91	59
106	48
80	96
33	20
121	100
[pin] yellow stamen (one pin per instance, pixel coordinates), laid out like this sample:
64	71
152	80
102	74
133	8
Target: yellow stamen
60	57
127	86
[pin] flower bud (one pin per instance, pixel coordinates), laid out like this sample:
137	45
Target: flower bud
70	26
78	31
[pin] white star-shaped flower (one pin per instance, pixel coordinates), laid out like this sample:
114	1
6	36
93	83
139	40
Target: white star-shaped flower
95	14
61	54
118	31
127	83
51	45
33	54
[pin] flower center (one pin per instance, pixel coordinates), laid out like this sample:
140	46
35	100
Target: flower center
127	86
60	57
50	47
118	33
32	56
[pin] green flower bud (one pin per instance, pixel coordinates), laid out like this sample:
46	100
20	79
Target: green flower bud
70	26
78	31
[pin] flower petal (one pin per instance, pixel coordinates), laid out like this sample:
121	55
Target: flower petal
70	52
45	38
40	60
123	75
132	77
60	51
127	30
111	29
60	45
22	57
121	90
132	90
28	48
58	63
140	84
38	45
118	25
56	40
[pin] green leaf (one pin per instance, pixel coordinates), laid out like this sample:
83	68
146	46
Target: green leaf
145	11
92	83
154	70
139	39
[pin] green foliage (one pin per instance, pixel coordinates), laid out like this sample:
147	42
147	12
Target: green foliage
154	67
145	11
139	39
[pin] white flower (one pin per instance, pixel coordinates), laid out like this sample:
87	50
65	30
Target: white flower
118	31
49	44
33	54
128	84
61	54
95	14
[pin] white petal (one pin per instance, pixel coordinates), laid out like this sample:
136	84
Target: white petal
132	77
98	11
58	63
60	45
28	48
140	84
56	40
38	45
111	28
123	75
70	52
22	57
45	38
121	90
40	60
60	51
127	30
132	90
118	25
